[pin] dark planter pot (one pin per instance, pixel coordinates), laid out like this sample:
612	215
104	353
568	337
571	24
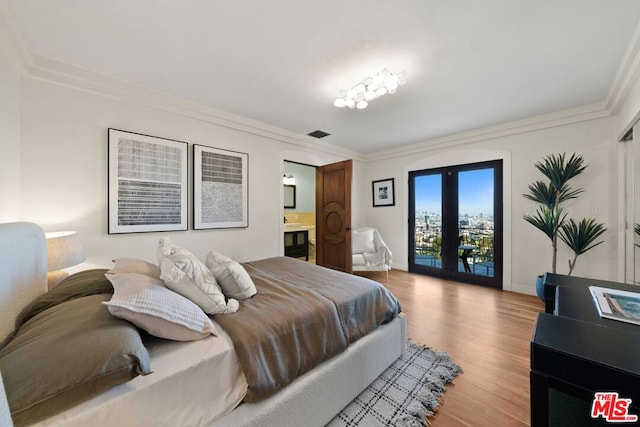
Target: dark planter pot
540	287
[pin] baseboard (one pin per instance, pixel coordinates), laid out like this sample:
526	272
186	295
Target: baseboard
524	289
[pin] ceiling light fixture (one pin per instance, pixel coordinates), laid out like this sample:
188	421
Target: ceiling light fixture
369	89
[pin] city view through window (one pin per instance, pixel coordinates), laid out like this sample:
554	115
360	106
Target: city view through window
475	221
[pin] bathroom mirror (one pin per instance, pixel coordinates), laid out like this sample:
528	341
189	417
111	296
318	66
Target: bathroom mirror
290	196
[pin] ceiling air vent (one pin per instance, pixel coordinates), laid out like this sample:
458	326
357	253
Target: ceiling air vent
318	134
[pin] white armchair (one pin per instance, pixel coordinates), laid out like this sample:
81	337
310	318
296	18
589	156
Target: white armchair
369	251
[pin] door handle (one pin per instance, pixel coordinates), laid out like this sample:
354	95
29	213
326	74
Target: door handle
347	228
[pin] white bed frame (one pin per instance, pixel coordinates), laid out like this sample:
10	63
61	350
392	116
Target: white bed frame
311	400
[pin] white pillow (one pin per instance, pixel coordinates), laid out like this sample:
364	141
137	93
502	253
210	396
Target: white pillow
232	277
215	259
148	304
185	274
134	265
362	241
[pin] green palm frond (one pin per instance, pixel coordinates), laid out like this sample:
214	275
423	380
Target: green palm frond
567	193
547	220
582	236
542	193
559	170
546	194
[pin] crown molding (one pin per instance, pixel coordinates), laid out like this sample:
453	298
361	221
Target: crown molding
89	81
81	79
560	118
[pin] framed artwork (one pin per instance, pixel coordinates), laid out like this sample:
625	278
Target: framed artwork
383	193
220	181
147	183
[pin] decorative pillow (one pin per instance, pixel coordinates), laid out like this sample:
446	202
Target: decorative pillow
66	354
215	259
232	278
134	265
81	284
362	241
148	304
185	274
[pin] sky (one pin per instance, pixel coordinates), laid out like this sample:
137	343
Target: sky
475	190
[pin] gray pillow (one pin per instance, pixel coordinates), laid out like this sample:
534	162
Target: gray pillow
81	284
66	354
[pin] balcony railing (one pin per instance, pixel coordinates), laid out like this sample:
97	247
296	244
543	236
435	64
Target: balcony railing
479	260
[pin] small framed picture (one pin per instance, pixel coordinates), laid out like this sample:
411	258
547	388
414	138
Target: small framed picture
147	183
220	188
383	193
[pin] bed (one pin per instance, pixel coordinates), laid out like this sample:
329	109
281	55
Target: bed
202	382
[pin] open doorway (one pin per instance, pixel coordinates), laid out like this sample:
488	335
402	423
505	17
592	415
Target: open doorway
299	188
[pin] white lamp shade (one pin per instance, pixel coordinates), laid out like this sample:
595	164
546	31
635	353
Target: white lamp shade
63	250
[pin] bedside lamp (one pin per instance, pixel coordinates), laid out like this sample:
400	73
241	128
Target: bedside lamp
63	250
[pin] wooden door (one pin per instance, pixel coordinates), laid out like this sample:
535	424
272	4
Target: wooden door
333	216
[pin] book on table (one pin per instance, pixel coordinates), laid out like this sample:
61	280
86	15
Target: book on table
617	305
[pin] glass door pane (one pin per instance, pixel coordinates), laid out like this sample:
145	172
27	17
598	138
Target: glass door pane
428	221
476	201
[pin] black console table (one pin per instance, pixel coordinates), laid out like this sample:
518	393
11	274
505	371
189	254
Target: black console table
576	353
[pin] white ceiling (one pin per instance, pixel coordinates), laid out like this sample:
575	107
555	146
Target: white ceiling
470	63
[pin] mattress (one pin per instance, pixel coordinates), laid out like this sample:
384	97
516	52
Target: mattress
186	378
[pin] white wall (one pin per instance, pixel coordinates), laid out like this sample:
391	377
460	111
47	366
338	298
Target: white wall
529	248
63	173
9	140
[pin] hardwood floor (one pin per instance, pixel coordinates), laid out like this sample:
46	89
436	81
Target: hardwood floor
485	331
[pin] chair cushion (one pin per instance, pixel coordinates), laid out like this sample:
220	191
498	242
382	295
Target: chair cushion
362	241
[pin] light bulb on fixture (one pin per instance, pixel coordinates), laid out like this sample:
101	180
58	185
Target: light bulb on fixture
369	89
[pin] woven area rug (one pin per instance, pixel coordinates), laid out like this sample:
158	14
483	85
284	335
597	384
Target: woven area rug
405	394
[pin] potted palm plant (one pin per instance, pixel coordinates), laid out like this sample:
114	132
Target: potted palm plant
550	217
